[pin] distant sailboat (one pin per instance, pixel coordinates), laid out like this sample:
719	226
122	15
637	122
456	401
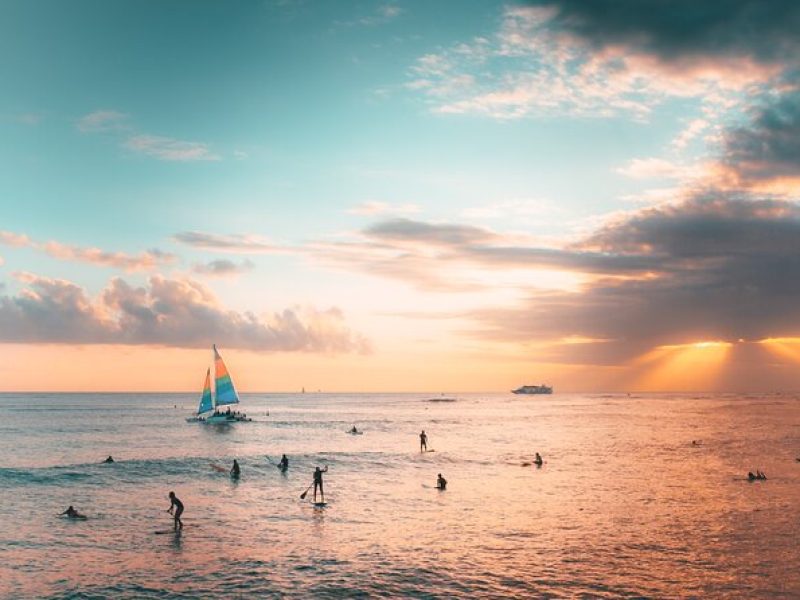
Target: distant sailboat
225	395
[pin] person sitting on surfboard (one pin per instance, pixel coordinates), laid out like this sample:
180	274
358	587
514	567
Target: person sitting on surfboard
109	459
423	441
441	482
318	483
235	470
177	505
73	514
354	430
284	464
538	460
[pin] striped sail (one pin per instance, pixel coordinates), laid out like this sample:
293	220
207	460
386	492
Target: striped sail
226	393
206	404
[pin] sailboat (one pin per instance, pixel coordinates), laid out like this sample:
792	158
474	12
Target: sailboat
225	396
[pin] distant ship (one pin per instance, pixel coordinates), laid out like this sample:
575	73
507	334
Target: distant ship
534	389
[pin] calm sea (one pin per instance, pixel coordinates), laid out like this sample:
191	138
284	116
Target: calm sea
624	506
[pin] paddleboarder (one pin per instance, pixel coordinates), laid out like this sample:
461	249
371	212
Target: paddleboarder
423	441
176	510
318	483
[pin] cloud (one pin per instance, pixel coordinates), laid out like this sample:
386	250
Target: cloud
147	260
29	118
586	59
178	313
156	146
406	230
170	149
655	168
379	208
232	243
768	147
676	31
18	240
222	268
101	121
722	268
382	15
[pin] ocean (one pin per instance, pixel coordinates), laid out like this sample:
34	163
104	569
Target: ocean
625	506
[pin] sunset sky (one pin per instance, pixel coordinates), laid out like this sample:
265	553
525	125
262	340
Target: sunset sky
412	195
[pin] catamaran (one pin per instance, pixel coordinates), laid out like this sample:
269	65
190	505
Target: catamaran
225	396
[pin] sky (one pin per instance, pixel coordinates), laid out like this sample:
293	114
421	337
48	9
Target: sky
430	195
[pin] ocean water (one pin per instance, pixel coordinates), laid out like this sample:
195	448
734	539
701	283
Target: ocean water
624	506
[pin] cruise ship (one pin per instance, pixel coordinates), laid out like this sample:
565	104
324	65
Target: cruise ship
533	389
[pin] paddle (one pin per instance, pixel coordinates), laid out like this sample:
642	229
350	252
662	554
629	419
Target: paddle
304	494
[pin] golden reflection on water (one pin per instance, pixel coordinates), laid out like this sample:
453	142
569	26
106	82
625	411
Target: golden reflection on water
624	503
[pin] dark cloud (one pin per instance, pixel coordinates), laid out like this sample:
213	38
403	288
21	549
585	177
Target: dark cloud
179	313
729	269
680	29
769	146
222	268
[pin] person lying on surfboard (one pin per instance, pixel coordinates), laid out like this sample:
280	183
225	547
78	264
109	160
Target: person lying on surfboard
284	464
318	482
177	506
423	441
235	470
73	514
441	482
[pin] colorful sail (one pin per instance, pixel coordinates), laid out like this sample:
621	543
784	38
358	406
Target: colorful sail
226	393
206	404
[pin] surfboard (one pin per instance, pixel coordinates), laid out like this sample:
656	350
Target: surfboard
320	504
165	531
355	432
219	469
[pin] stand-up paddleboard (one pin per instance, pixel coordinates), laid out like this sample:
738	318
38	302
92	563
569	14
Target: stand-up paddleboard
166	531
319	504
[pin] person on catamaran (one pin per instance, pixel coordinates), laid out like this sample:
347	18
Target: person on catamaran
283	465
72	513
318	482
538	460
109	459
177	506
235	470
441	482
423	441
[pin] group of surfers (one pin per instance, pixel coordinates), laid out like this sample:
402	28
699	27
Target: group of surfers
176	506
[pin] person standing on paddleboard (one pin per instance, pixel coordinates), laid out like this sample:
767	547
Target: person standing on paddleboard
423	441
177	506
318	483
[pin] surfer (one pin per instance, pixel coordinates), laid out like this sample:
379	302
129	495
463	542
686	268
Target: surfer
235	470
354	430
441	482
283	465
73	514
423	441
318	482
109	459
538	460
176	510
